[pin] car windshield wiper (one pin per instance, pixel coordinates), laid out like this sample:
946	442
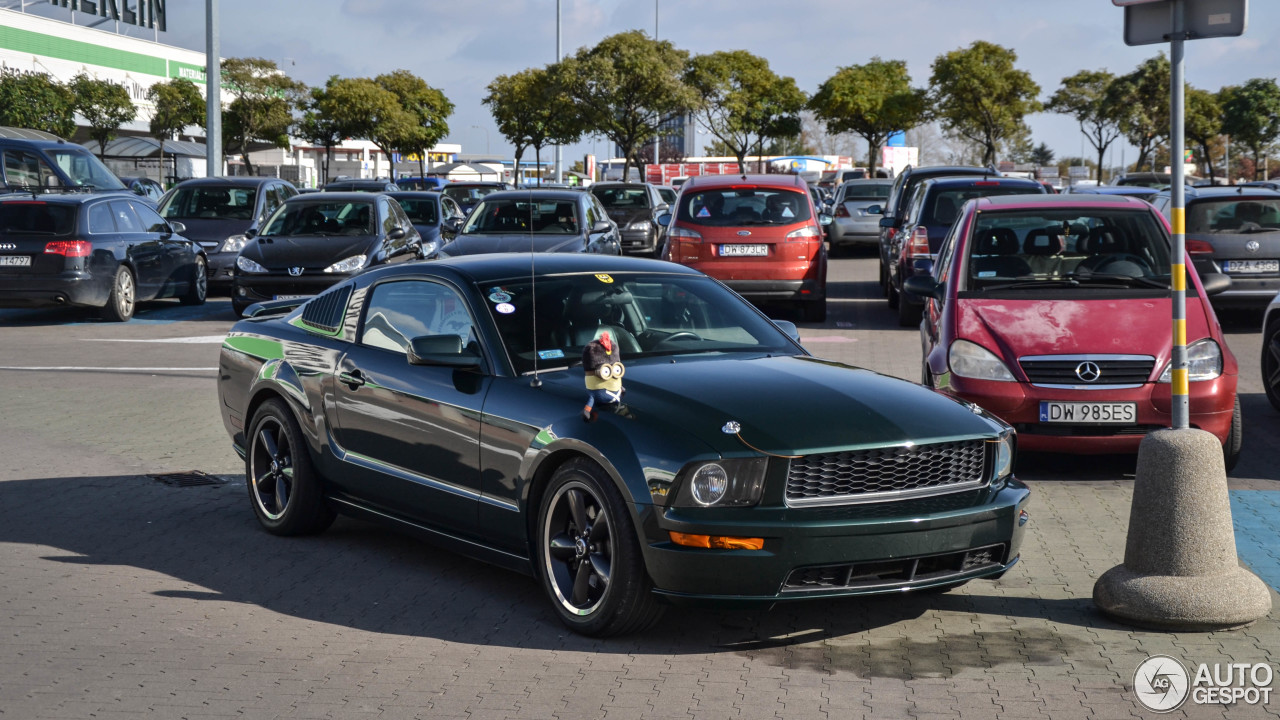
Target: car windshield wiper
1126	279
1046	282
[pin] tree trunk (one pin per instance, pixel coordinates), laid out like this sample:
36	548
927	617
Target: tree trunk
328	160
175	172
516	176
1208	160
1102	151
626	162
537	162
422	164
244	155
873	150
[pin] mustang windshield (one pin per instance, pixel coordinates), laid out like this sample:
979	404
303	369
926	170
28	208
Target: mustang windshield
1066	249
647	315
338	217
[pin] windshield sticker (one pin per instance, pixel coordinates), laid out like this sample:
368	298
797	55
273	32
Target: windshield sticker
505	308
987	273
499	297
704	213
786	212
604	278
550	354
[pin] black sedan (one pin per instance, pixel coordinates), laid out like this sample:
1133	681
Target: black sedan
436	217
313	241
222	213
537	221
448	398
103	251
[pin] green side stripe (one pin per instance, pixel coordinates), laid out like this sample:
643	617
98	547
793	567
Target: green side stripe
36	43
256	347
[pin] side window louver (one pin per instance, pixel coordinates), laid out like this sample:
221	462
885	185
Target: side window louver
324	312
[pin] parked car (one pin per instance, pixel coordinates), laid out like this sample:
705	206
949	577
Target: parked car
106	251
38	162
1271	352
635	208
1054	314
314	241
469	194
758	234
421	183
1138	191
903	187
1146	179
537	221
222	214
420	396
927	218
144	187
668	193
851	224
1233	230
361	186
437	218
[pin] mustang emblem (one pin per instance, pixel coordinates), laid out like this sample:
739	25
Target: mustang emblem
295	271
1088	371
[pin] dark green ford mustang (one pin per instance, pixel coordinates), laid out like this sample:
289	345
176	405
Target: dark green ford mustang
448	397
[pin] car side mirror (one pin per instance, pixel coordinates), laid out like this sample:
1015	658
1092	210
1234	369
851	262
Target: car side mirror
251	233
874	210
441	351
176	227
664	219
396	234
601	226
1215	283
923	286
789	328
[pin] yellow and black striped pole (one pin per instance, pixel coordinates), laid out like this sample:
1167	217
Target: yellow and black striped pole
1178	215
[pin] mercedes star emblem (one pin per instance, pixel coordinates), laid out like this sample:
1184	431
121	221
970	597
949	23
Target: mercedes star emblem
1088	371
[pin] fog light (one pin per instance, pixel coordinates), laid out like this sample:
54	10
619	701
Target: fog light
717	541
1023	517
241	292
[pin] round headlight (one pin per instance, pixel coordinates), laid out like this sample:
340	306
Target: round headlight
710	483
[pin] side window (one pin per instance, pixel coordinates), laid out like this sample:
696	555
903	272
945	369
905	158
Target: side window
592	217
28	170
390	221
451	208
945	253
126	220
100	220
151	220
270	201
402	310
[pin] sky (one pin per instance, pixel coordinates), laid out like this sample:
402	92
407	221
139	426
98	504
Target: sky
459	46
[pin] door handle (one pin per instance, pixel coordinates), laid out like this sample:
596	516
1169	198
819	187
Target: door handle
353	379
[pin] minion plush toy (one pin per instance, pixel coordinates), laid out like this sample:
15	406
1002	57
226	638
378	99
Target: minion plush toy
602	362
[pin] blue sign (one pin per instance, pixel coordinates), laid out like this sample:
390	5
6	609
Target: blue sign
898	139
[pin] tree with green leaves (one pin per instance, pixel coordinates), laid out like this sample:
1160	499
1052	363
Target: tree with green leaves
508	97
553	117
104	105
262	110
364	109
626	86
1203	123
873	101
1084	97
429	108
1251	116
36	101
980	96
319	124
1142	100
743	102
178	103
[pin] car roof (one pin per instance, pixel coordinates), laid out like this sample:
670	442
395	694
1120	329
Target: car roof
616	183
967	181
78	198
778	180
410	194
548	194
491	267
331	197
227	181
477	183
867	181
1018	202
938	170
1220	192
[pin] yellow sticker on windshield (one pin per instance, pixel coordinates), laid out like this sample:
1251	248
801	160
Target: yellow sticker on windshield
604	278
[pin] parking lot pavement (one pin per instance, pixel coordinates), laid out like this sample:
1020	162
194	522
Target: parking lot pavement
125	597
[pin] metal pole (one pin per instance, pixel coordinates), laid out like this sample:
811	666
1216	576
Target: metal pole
213	91
657	139
558	58
1179	386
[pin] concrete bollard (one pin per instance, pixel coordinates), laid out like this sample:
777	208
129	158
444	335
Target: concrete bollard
1180	569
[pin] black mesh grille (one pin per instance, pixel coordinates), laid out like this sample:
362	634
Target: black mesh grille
1110	372
903	572
325	311
861	475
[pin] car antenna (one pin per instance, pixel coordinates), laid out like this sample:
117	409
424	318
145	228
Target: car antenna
533	293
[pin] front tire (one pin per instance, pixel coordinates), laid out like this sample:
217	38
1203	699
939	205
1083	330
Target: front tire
123	298
589	559
1235	439
284	488
1271	362
198	288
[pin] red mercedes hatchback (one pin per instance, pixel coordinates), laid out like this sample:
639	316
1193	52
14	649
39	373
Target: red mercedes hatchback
1054	313
758	234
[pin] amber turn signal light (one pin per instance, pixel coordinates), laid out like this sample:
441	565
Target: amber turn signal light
717	541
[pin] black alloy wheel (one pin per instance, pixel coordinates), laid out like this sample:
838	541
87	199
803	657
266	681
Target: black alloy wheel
1271	362
589	559
198	287
123	298
284	488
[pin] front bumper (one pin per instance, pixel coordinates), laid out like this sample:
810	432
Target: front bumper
222	269
1018	403
777	289
257	288
69	288
839	551
843	231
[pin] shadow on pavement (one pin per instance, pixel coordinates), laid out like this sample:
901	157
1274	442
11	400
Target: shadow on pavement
151	312
365	577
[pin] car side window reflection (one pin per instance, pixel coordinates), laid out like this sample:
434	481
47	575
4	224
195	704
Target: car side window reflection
126	220
402	310
100	221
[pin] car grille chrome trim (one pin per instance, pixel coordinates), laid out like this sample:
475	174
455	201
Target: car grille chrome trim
887	473
1060	371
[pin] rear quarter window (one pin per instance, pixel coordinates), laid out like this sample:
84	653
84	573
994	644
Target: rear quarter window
37	218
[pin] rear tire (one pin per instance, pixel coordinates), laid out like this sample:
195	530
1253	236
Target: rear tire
908	315
815	311
1271	362
1235	439
123	298
198	288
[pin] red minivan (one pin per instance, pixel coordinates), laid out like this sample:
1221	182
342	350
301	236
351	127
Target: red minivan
758	234
1054	312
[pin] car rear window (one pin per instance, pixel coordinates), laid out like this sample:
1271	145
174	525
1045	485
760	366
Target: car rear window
617	198
420	211
943	205
1236	216
36	218
867	191
744	205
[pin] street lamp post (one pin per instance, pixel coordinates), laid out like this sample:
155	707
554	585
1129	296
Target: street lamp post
213	88
558	57
486	137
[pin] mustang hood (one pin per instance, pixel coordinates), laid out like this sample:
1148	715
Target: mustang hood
789	405
1129	326
309	251
212	232
479	244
